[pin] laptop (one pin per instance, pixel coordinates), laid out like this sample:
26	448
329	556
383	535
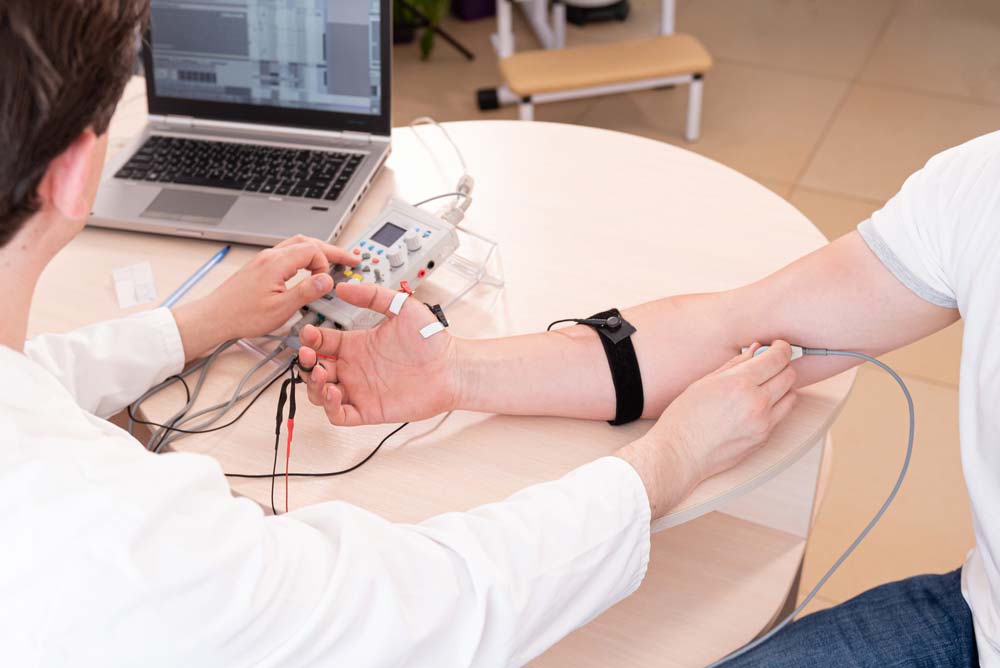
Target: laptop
266	119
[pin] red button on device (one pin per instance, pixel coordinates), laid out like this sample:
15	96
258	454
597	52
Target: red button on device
357	251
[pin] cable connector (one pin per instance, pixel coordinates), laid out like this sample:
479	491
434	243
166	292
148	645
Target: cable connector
454	213
466	185
453	216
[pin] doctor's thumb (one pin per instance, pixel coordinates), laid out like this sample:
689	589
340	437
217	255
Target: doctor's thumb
311	289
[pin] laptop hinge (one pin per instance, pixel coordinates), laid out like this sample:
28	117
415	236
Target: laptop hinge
171	121
363	137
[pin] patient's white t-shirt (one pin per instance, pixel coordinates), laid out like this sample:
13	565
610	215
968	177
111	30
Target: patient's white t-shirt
940	236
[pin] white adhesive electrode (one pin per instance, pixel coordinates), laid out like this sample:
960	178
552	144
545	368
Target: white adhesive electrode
430	330
397	303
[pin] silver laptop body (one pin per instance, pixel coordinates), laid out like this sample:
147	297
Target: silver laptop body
266	120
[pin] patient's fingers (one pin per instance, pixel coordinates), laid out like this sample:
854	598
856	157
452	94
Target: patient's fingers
338	411
325	340
316	380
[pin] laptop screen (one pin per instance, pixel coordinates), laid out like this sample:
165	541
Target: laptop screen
317	55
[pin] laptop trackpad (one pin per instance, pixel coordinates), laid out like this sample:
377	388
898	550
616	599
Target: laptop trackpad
189	206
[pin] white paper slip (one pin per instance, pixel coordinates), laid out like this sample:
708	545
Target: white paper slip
134	284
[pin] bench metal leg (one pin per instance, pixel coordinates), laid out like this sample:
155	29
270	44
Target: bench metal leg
526	111
558	25
693	129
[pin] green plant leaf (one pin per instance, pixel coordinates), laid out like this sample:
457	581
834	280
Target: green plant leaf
426	44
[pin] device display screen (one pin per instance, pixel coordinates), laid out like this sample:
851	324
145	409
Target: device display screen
388	234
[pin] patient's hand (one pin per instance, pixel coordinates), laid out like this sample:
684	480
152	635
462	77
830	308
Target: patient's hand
385	374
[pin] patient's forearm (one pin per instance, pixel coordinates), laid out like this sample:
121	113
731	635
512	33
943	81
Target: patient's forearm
565	372
841	296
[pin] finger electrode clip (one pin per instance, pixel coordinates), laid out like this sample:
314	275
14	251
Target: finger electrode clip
396	306
435	327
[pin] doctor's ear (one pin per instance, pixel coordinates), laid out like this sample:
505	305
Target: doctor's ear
70	182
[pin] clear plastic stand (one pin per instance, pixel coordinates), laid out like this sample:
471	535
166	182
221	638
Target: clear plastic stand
476	262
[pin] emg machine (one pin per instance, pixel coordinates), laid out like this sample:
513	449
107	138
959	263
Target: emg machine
398	251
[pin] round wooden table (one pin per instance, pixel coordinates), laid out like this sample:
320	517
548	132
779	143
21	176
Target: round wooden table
586	219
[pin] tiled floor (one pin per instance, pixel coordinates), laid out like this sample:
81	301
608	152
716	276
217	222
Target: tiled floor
831	104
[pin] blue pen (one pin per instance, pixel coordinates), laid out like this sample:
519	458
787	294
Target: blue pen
195	277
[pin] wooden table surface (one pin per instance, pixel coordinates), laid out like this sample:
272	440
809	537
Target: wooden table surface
586	219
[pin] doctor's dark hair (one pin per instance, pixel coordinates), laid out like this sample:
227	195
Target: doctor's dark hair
63	66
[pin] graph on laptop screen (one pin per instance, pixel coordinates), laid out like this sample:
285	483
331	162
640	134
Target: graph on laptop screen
323	55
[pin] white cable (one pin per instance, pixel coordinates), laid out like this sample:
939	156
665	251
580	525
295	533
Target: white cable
455	213
442	196
427	120
864	533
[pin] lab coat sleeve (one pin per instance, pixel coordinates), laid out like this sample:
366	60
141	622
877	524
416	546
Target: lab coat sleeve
108	365
335	585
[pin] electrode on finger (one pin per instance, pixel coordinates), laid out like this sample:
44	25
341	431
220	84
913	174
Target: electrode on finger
397	302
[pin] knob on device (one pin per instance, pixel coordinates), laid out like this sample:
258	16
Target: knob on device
397	256
412	241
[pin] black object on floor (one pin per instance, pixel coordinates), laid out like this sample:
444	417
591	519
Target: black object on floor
581	16
471	10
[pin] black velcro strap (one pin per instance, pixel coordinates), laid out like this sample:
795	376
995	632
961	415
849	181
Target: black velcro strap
625	375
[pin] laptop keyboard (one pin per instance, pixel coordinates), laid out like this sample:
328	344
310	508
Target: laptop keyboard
270	170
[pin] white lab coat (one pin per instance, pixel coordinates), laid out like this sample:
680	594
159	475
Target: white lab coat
113	556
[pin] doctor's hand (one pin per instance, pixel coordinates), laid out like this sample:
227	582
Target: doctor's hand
713	425
386	374
256	300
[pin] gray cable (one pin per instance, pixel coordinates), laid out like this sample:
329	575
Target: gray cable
163	436
163	432
202	364
159	386
864	534
237	392
222	408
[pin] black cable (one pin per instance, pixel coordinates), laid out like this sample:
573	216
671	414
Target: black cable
274	471
327	474
287	391
187	400
223	426
187	389
553	324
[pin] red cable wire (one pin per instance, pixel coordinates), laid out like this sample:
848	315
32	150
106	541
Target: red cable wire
288	457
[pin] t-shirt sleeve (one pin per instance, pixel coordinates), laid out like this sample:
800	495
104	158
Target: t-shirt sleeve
929	234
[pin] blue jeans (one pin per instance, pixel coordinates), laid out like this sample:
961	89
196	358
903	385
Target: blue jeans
921	622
